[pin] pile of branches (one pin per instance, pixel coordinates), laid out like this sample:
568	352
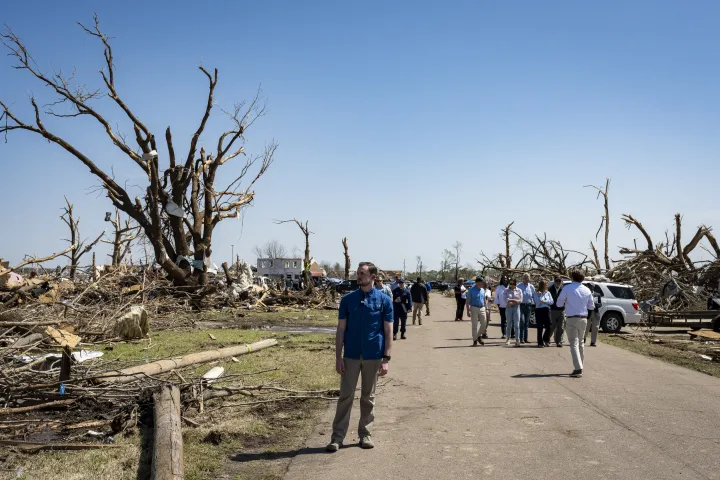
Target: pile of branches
665	273
57	403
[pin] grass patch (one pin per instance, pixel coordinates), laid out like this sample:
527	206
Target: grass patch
236	442
283	317
670	353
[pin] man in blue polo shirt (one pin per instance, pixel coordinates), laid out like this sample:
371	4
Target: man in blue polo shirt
363	343
476	310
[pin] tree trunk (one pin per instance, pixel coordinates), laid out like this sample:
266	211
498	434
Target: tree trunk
167	457
347	259
306	271
607	226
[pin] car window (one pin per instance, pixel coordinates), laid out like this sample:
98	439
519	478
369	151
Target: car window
622	292
598	290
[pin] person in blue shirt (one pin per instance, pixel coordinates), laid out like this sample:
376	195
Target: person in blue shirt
543	301
363	344
528	301
402	304
427	300
476	310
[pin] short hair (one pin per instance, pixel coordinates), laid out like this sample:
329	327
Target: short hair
371	267
542	286
577	276
526	276
512	281
460	279
419	280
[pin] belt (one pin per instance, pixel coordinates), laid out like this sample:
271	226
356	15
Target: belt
478	306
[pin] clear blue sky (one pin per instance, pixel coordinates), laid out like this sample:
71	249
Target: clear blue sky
402	125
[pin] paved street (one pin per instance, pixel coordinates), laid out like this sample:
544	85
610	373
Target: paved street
451	411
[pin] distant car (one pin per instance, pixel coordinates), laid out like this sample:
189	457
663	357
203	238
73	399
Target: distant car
439	286
618	306
346	286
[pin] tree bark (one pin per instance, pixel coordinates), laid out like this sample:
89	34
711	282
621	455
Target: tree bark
347	258
131	374
167	458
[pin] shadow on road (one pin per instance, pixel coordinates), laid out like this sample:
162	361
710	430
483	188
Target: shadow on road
470	346
251	457
540	375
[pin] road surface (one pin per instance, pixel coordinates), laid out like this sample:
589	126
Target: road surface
451	411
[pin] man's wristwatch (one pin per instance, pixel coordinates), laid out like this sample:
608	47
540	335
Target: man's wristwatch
386	358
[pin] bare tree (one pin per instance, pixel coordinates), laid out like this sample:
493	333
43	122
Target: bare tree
448	259
418	265
79	247
605	219
457	246
347	258
306	264
125	234
180	205
272	250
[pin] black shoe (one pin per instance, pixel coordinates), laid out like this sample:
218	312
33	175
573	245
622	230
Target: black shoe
576	373
559	345
541	345
593	345
403	337
484	335
475	343
394	337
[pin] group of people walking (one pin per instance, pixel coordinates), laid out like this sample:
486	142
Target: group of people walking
404	301
370	318
558	309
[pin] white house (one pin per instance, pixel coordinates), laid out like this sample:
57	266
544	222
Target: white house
287	268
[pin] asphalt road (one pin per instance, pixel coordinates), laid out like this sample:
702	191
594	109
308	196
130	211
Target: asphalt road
451	411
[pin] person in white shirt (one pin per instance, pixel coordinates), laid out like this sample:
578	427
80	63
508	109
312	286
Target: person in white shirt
513	298
488	307
500	302
578	301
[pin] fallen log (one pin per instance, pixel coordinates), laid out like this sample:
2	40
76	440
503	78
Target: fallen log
167	458
35	446
161	366
39	406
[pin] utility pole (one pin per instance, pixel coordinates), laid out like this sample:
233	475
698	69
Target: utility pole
232	253
404	272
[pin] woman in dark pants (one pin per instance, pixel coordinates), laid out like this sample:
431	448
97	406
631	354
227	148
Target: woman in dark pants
543	301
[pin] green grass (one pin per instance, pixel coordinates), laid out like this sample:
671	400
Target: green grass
665	352
301	361
283	318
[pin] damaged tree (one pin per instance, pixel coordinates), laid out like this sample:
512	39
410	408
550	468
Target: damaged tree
79	248
347	258
540	256
125	233
180	205
605	221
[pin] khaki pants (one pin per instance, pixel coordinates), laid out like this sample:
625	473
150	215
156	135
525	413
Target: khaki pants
557	319
575	330
479	321
427	305
348	383
592	325
488	311
417	310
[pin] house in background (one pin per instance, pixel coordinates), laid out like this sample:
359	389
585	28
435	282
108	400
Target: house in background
287	268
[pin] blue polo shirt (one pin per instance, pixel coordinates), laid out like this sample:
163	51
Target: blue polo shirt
365	314
476	297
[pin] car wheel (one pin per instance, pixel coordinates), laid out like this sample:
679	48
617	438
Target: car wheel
611	323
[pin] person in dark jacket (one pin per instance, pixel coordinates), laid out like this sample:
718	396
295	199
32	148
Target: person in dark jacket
402	304
557	314
419	294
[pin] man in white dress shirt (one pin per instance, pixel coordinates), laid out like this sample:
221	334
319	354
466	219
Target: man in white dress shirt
578	301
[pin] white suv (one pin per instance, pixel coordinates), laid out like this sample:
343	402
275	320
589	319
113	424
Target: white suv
618	306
